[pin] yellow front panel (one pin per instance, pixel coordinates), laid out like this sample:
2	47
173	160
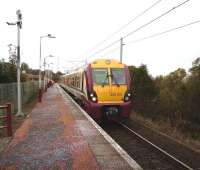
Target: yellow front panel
109	94
102	63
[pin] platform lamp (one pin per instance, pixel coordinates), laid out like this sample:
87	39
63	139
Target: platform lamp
19	26
50	71
40	83
45	59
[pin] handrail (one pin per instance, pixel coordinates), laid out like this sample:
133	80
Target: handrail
7	118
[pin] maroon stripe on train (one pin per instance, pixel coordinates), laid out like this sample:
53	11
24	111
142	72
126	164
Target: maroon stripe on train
89	78
128	78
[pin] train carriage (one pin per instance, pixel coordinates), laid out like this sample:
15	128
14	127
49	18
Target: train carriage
102	88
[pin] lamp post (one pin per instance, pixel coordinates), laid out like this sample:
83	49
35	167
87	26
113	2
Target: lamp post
121	49
40	83
19	26
49	73
45	72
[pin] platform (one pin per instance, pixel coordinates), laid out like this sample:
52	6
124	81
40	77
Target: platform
58	134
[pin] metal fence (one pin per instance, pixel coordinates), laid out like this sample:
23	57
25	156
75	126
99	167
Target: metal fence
8	93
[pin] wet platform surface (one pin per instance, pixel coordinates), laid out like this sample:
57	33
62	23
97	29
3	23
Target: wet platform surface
56	135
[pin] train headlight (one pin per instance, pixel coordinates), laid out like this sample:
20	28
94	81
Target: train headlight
94	99
127	96
93	96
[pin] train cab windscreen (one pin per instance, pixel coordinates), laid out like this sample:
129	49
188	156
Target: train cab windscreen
100	76
118	76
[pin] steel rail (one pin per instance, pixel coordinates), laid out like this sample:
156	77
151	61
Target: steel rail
158	148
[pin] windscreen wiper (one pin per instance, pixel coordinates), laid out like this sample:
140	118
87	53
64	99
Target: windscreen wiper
104	82
114	78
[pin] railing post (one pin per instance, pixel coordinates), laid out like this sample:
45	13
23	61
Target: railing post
9	119
40	95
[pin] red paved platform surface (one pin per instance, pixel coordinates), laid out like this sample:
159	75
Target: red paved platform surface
57	135
49	139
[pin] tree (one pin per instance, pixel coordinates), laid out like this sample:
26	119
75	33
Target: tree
7	72
13	59
24	67
56	76
12	55
172	96
193	86
143	89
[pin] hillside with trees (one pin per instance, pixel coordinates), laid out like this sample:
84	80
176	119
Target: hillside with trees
174	98
8	72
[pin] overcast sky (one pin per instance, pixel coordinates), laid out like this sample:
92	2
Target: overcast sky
80	25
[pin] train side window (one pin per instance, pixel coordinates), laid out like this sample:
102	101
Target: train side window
70	81
78	80
73	81
82	81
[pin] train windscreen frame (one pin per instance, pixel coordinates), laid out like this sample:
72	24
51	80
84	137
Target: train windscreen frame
100	76
118	76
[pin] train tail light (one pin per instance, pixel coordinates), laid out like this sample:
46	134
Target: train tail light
127	96
93	97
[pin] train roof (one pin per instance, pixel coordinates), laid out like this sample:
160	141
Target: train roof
79	71
107	63
99	63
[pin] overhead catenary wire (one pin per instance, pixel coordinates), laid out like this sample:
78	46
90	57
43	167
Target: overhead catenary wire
111	51
163	32
153	20
103	49
125	25
141	27
151	36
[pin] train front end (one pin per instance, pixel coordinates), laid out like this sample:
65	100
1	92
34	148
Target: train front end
110	94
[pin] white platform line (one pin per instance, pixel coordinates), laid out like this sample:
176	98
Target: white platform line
118	148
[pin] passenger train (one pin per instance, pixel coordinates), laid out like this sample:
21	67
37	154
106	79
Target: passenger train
102	88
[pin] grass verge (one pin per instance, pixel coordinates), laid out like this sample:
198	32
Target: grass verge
165	128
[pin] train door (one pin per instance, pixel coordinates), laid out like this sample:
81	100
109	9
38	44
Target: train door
84	84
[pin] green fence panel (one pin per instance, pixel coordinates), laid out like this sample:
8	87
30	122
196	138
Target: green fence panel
8	93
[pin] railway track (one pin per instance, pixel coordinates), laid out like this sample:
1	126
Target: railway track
148	155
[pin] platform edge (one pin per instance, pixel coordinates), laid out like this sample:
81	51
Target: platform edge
112	142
